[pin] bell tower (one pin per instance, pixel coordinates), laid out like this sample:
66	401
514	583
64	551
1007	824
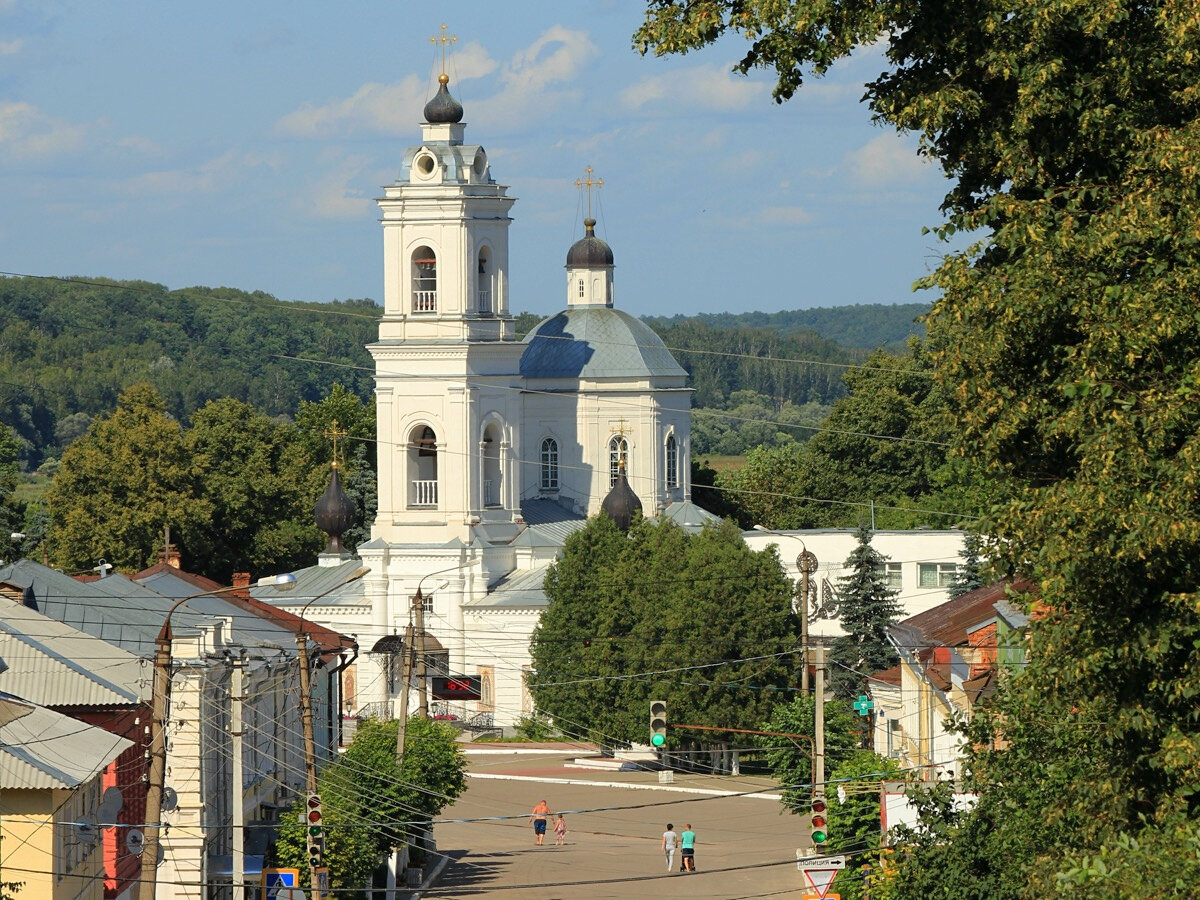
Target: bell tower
447	361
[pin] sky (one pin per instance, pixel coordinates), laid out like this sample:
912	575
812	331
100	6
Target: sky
243	145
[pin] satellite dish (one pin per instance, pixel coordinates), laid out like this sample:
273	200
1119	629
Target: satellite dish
110	805
170	799
135	841
85	832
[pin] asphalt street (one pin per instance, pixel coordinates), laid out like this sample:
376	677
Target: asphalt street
745	848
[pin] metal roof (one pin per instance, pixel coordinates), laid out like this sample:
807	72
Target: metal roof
45	749
688	515
314	581
519	590
597	342
53	664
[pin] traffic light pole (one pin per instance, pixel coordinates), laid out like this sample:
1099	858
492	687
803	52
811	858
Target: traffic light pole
819	721
310	746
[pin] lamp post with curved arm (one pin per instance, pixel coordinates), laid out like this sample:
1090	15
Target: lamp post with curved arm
806	562
306	720
160	703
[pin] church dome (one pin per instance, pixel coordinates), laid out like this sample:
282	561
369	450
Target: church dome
443	108
622	503
589	250
334	512
596	342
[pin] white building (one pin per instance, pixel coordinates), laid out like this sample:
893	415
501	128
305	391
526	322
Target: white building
492	450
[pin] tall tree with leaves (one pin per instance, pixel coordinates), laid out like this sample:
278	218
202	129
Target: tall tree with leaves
659	601
127	477
1067	335
866	607
969	574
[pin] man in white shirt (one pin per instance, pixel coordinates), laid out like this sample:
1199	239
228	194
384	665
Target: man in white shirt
670	841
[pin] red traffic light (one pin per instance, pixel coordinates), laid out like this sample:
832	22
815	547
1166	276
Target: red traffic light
818	805
314	816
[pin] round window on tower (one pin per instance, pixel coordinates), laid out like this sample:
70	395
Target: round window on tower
425	165
480	164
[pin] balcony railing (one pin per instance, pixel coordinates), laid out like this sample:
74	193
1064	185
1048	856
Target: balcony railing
491	493
424	301
424	493
485	300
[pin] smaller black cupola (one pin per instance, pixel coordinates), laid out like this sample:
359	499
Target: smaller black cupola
443	109
589	251
621	504
335	513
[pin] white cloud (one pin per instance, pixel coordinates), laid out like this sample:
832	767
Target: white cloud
526	86
9	48
333	196
700	87
886	159
28	133
219	173
784	215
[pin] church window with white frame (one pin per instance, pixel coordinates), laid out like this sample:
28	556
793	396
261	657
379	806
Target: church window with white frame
549	465
672	456
618	452
581	294
424	280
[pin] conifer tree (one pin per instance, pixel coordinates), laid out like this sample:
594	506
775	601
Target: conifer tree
970	574
867	606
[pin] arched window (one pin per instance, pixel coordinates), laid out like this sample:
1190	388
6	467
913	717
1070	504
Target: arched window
581	287
672	462
422	467
485	281
491	466
424	280
549	464
618	452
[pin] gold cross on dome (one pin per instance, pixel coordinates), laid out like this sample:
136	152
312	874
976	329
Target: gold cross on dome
589	183
333	433
443	39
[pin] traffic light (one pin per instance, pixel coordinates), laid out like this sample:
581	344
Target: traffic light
314	827
818	824
658	723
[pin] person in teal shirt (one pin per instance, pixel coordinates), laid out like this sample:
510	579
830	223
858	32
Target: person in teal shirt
687	844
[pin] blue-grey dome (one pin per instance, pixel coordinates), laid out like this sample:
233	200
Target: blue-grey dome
599	342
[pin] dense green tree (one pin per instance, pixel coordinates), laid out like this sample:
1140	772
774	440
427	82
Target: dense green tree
10	510
130	475
854	823
697	619
1066	335
791	760
866	607
969	574
260	484
371	804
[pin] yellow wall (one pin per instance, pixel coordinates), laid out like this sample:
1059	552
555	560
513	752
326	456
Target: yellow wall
27	848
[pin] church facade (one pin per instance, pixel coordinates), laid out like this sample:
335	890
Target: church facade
491	450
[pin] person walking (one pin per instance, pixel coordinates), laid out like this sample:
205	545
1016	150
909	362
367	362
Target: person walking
538	817
669	840
560	830
687	842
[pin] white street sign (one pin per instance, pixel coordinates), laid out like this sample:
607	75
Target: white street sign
819	862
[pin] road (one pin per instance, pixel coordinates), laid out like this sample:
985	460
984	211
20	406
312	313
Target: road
744	847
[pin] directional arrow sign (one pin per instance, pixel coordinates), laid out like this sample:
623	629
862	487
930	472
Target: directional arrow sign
819	871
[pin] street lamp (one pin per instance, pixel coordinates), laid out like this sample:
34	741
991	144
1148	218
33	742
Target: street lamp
310	749
158	736
806	562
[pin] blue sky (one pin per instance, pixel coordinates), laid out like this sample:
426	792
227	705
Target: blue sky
242	144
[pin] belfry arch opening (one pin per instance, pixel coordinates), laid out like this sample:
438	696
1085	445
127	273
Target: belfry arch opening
424	280
492	471
485	282
422	467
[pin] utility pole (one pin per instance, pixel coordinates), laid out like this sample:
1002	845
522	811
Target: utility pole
236	698
405	677
310	744
819	723
422	687
807	563
160	709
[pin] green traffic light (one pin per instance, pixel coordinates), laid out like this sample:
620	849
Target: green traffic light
819	837
657	740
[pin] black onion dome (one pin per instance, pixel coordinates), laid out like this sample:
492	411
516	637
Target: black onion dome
443	108
621	503
589	250
334	512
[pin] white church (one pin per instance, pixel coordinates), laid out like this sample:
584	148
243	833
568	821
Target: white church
492	451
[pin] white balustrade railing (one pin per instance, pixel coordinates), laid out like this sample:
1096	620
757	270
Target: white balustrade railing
425	493
424	301
485	300
491	493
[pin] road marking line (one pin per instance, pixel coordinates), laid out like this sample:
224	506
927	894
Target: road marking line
711	792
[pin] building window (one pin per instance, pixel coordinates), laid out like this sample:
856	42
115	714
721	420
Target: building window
485	282
487	688
424	279
549	464
492	472
672	462
937	574
581	287
618	453
422	467
890	574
